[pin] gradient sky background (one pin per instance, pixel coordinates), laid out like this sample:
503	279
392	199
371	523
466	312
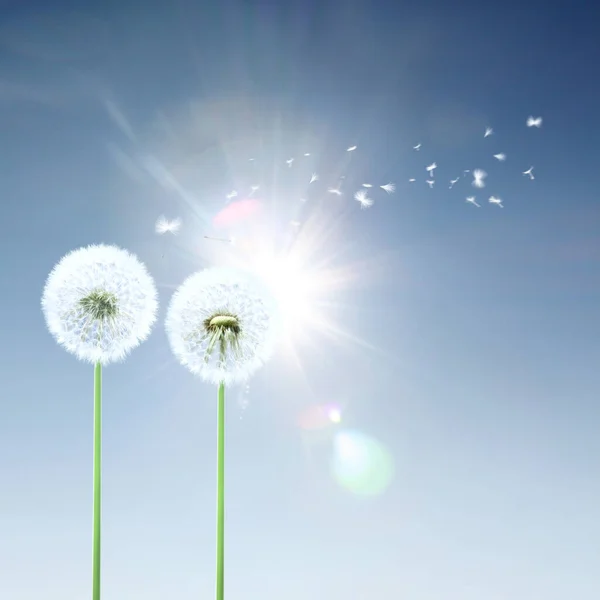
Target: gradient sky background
484	386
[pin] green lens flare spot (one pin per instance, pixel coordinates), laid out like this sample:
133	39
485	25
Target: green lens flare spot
100	305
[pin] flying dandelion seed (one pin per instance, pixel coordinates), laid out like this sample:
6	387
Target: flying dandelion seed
501	157
362	198
411	180
360	464
351	149
465	172
496	201
307	154
534	122
314	177
530	173
163	225
431	168
452	182
253	189
389	188
367	185
471	200
417	147
231	195
488	131
214	239
335	191
430	182
479	176
289	162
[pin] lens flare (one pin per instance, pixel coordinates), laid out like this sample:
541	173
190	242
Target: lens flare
319	416
361	464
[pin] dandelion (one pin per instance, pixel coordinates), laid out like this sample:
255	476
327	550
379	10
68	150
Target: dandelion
488	131
501	156
363	199
163	225
389	188
222	326
99	303
534	122
479	176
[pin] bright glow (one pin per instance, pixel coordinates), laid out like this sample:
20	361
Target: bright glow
292	286
361	464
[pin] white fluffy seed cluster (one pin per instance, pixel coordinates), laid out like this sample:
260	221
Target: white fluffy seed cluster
105	270
216	291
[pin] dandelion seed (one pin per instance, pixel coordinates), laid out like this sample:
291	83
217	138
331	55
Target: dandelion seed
479	176
251	160
411	180
289	162
496	201
501	157
215	239
431	168
534	122
254	188
389	188
430	182
452	182
465	172
231	195
351	149
530	173
307	154
363	199
163	225
488	131
417	147
367	185
314	177
335	191
471	200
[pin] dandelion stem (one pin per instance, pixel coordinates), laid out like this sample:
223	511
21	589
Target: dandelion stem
220	490
97	479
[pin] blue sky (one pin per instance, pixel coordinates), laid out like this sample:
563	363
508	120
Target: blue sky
482	383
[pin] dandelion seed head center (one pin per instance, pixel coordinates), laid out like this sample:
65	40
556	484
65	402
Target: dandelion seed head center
100	305
223	322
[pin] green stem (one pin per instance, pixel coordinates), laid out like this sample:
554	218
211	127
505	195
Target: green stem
220	491
97	479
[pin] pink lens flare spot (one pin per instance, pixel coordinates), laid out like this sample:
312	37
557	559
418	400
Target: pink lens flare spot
237	212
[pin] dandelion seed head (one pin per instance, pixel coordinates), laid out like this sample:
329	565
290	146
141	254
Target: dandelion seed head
479	176
99	303
222	325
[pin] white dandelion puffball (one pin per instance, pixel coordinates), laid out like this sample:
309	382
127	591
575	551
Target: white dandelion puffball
222	325
100	302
